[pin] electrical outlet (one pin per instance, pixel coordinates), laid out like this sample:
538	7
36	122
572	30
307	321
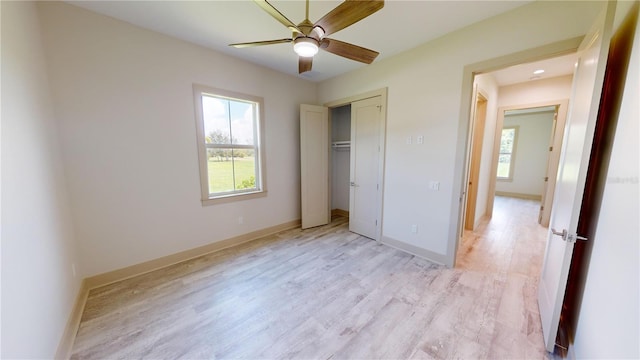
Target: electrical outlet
408	140
414	229
434	185
240	220
420	139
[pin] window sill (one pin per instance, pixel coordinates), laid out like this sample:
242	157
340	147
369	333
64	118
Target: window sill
505	179
234	198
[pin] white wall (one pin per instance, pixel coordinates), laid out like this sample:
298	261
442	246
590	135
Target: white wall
38	244
425	96
608	324
341	131
532	92
531	153
487	86
128	130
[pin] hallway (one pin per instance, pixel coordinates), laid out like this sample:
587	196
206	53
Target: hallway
510	246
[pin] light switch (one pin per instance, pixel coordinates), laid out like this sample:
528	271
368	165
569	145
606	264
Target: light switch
434	185
408	140
420	139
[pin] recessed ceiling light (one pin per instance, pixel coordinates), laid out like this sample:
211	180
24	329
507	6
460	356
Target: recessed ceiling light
538	72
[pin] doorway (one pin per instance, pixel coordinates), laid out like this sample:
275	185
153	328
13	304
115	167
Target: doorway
535	159
528	166
354	163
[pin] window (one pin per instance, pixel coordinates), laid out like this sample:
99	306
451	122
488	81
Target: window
507	152
229	128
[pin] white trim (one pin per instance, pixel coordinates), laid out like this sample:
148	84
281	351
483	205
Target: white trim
259	146
415	250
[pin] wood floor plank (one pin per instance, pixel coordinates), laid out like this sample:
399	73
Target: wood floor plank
327	293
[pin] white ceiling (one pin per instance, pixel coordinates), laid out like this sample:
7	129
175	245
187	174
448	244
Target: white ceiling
399	26
559	66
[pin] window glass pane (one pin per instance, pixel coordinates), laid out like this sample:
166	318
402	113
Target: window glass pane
245	169
231	169
215	112
504	163
242	122
506	141
230	141
220	170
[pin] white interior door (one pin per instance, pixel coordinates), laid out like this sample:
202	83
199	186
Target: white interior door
365	153
545	188
314	165
552	166
587	87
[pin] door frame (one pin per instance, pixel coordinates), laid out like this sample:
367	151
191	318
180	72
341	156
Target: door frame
382	141
478	128
554	156
458	198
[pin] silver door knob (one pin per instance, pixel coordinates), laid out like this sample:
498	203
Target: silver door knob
562	234
568	237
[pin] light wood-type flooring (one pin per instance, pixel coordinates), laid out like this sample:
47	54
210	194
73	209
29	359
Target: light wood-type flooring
326	293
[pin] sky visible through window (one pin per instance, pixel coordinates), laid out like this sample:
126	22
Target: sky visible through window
228	118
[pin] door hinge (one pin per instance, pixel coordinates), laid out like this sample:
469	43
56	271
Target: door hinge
541	208
546	178
550	148
377	186
376	222
379	107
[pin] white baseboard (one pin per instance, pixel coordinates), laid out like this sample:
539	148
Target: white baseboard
73	323
340	212
519	195
414	250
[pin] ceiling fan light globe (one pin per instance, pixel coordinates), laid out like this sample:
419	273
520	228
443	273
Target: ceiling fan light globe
305	47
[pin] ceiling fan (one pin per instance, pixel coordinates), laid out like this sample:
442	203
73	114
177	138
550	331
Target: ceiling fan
308	37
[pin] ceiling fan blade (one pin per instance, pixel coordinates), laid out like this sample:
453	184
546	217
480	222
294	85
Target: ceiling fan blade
304	64
277	15
348	13
348	51
260	43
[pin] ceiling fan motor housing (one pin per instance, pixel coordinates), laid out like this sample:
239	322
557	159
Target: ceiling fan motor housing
309	37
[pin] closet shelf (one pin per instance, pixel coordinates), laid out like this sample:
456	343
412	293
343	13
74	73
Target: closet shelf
341	145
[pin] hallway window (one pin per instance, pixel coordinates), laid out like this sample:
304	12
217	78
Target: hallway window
507	152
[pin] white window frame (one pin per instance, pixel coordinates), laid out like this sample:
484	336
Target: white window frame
258	147
512	154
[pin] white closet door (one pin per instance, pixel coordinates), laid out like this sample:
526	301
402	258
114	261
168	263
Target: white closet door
365	153
314	165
